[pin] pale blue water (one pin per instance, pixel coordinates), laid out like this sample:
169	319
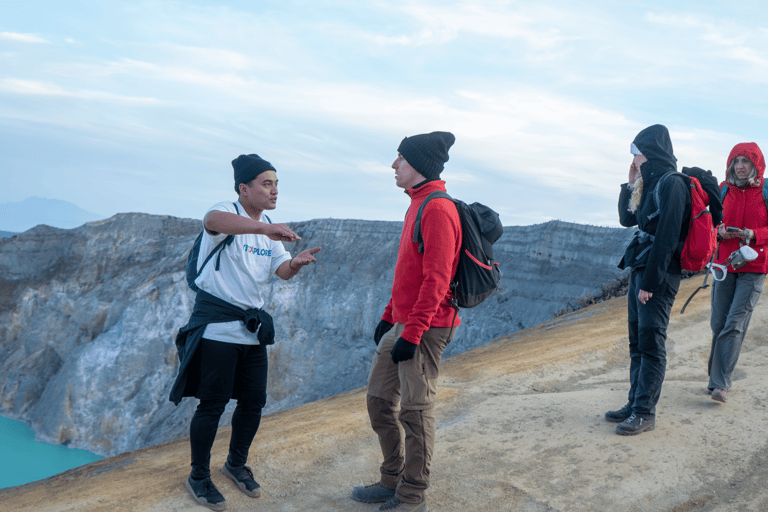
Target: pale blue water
24	460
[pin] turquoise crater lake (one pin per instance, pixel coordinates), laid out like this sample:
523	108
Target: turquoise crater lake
26	460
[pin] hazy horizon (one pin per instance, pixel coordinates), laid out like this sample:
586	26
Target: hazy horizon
57	217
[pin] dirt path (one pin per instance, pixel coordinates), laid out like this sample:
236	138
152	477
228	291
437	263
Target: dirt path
520	428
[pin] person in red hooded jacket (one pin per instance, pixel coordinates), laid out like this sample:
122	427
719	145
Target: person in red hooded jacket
417	325
735	297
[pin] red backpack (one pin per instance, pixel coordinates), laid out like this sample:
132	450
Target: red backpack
701	242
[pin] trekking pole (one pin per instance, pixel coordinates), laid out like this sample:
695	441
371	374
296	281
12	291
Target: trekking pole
706	276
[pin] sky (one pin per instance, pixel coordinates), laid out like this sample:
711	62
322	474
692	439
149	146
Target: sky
141	105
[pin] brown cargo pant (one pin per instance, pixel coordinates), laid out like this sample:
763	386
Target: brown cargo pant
401	398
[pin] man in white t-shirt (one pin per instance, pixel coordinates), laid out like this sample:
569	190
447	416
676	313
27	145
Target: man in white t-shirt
223	347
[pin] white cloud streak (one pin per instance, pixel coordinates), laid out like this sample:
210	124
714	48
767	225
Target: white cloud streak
738	43
34	88
22	38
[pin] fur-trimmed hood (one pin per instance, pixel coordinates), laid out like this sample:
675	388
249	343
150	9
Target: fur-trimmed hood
750	150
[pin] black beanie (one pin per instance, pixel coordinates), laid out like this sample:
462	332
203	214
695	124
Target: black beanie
427	152
247	167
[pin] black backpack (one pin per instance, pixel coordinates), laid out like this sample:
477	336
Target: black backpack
477	275
192	272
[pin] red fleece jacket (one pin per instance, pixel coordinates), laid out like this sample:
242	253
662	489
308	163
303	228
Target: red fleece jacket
421	291
745	208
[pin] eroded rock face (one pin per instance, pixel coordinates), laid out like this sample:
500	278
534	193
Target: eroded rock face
88	316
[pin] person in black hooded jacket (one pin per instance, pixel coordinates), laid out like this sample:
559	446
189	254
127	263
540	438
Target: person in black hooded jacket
654	256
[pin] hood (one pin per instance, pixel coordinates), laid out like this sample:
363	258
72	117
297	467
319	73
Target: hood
655	145
751	151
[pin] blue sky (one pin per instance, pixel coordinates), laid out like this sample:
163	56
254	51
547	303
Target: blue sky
140	106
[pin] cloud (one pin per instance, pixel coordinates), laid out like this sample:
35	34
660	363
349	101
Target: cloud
535	24
414	25
544	97
727	40
22	38
220	58
31	87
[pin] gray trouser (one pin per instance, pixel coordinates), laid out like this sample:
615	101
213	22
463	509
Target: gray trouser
733	301
401	397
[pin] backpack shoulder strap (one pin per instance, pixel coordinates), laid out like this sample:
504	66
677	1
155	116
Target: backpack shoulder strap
216	250
656	193
765	193
724	190
220	248
417	225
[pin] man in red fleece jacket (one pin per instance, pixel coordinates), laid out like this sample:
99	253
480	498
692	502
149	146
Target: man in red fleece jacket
402	382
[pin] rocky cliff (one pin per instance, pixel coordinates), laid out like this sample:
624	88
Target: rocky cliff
88	316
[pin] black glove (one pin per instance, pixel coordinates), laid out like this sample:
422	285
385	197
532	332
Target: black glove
403	350
381	329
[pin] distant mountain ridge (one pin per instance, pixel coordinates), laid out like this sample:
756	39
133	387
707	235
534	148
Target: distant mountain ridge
17	217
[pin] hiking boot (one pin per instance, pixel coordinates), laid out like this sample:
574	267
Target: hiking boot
635	425
395	505
620	415
206	494
373	493
243	477
719	395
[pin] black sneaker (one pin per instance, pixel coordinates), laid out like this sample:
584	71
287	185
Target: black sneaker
243	477
620	415
635	425
206	494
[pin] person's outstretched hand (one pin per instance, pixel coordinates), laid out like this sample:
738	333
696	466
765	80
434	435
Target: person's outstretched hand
304	258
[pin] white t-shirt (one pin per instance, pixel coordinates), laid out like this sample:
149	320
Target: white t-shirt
246	265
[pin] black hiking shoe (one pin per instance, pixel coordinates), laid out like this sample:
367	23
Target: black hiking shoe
719	395
206	494
243	477
373	493
636	425
620	415
395	505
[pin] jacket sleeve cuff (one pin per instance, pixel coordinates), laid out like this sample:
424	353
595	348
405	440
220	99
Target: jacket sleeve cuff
647	286
409	336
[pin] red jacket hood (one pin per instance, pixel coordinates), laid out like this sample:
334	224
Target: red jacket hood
751	151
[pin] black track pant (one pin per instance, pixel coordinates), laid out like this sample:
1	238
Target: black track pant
228	370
